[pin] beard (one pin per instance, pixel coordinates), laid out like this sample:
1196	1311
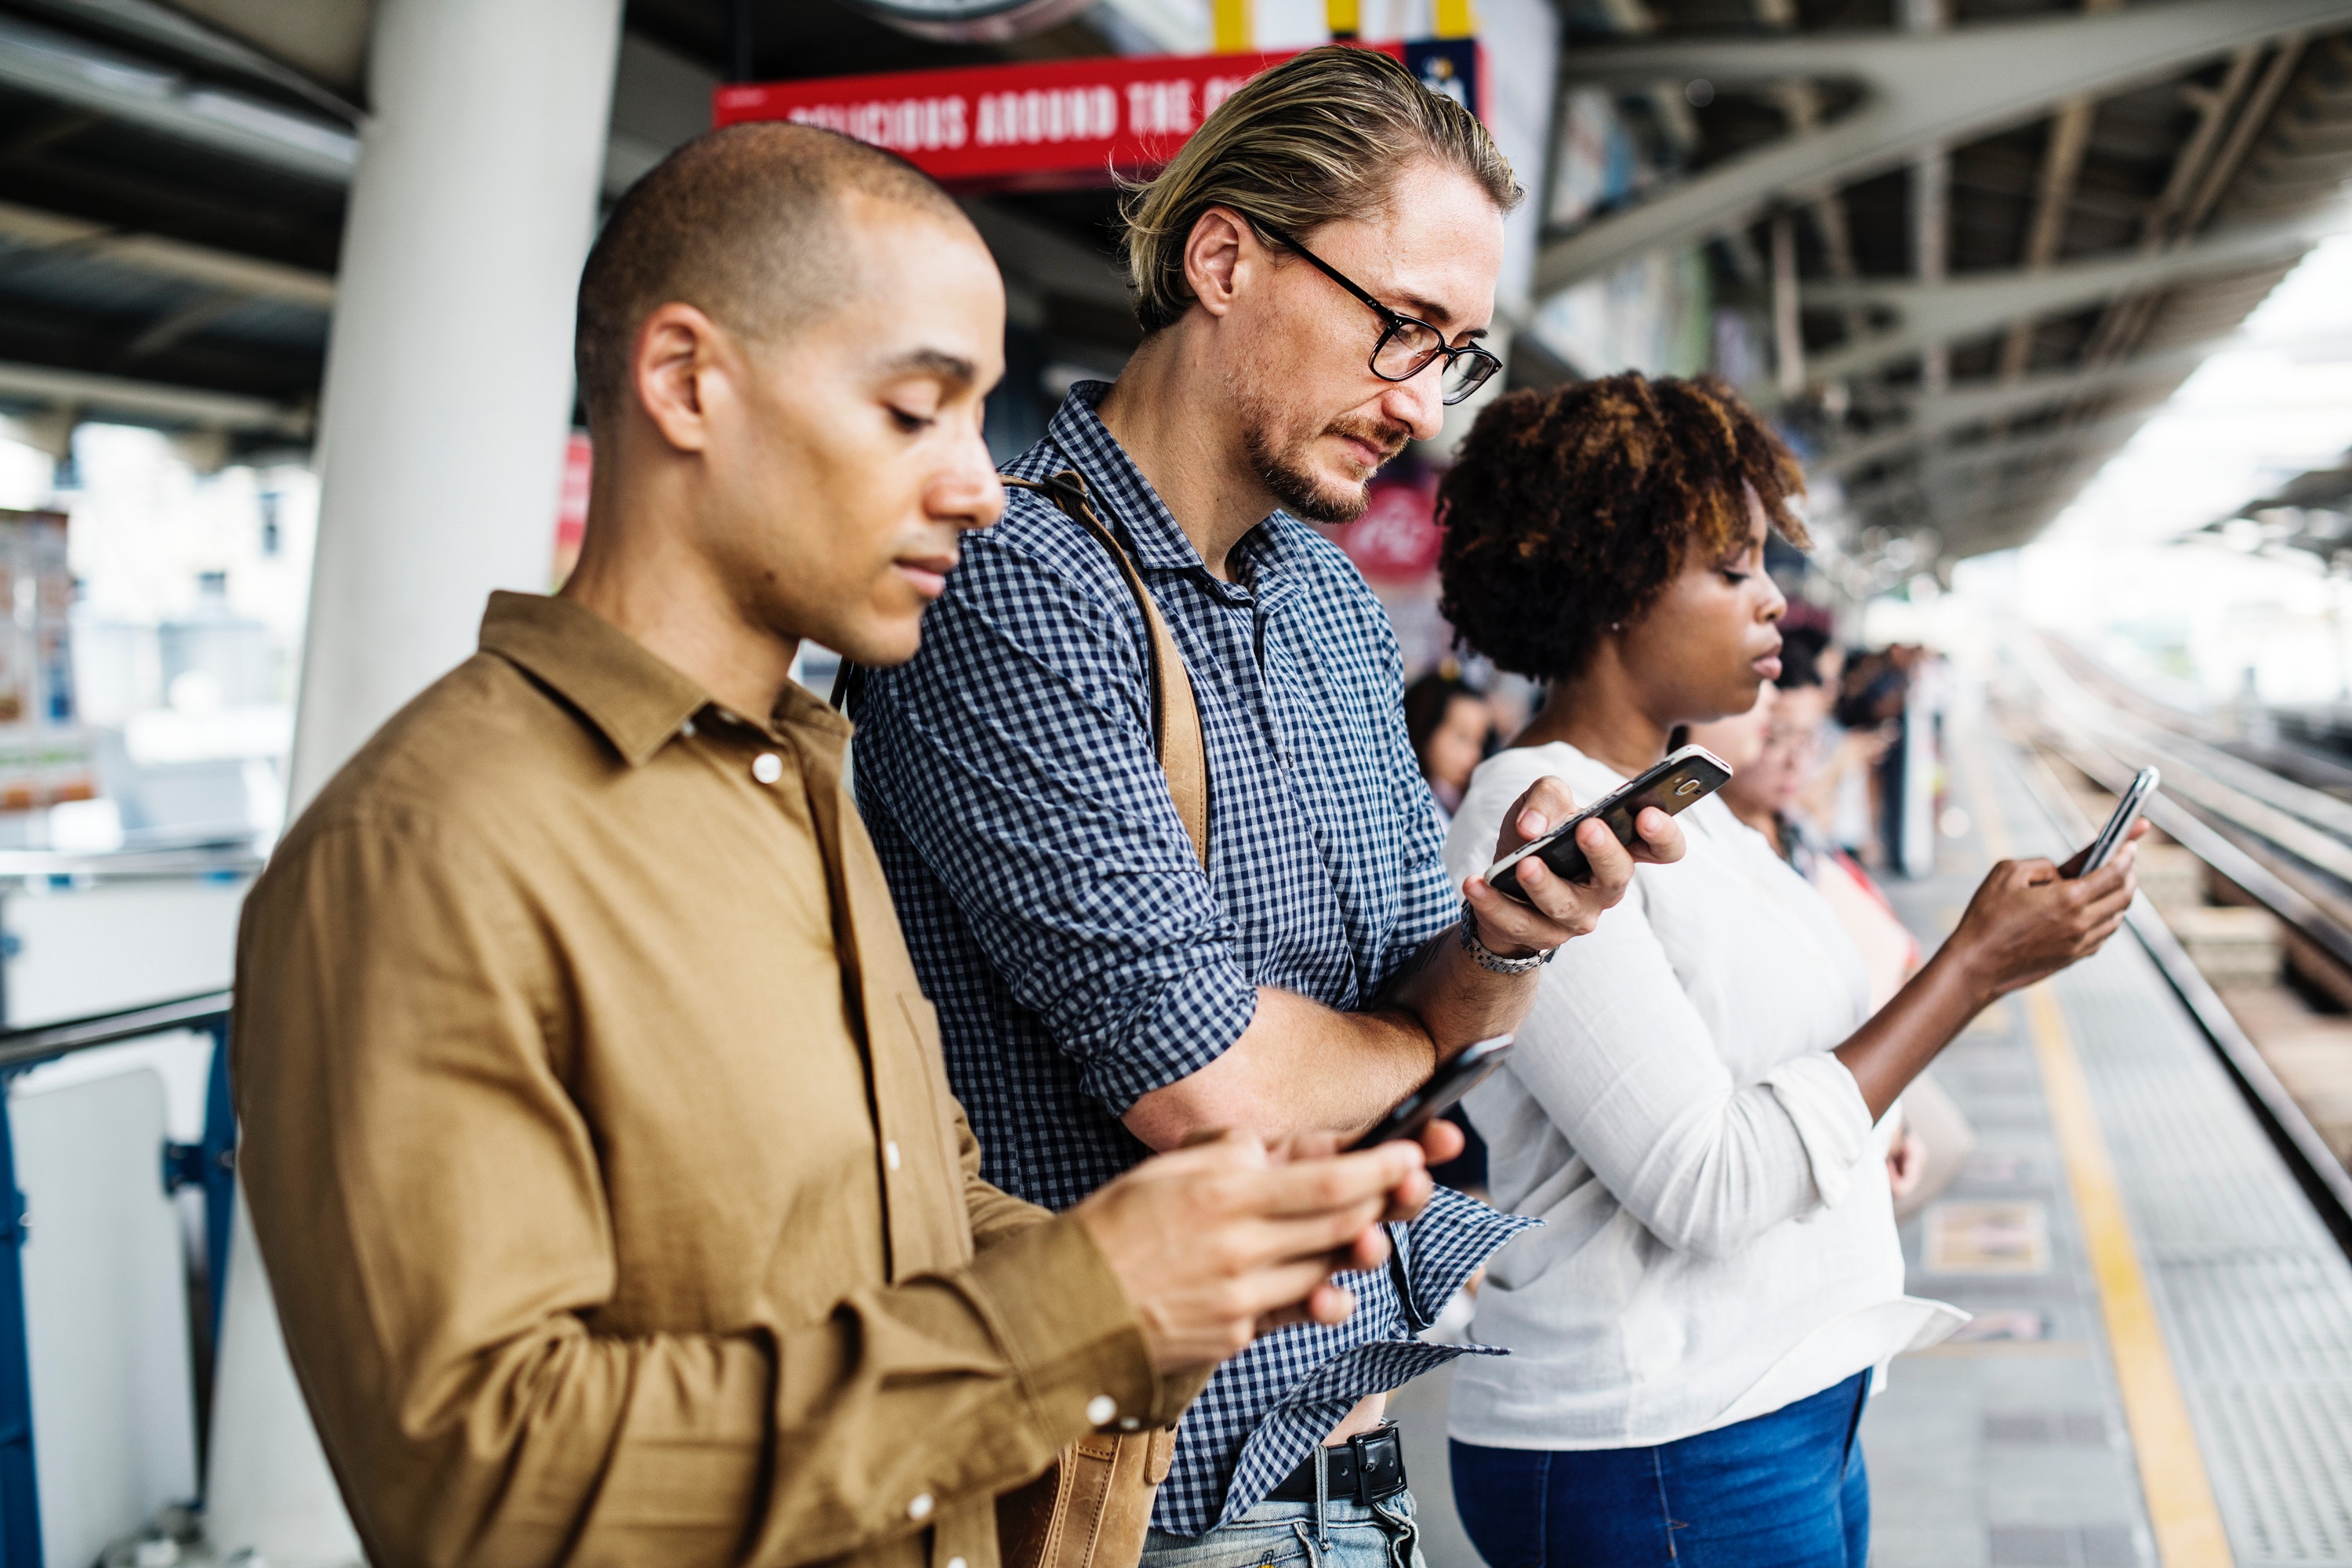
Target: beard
1282	466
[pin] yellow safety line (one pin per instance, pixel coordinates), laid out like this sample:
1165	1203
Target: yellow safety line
2179	1495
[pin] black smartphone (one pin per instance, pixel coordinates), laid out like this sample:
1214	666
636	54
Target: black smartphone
1445	1086
1683	780
2111	837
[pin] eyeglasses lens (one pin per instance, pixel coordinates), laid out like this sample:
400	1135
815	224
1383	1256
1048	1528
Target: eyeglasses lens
1465	375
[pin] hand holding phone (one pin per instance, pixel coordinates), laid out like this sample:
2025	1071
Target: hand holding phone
2102	848
1683	780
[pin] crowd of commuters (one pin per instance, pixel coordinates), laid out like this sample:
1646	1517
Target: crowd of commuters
665	1149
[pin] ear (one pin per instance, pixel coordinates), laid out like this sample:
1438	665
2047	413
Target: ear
675	370
1219	246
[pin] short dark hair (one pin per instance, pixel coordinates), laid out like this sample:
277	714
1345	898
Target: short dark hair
1427	701
1800	657
741	222
1569	509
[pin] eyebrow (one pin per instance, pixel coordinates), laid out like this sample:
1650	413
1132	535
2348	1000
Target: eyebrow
953	369
1436	315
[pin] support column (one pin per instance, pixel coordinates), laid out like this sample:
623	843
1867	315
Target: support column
1931	188
447	402
448	387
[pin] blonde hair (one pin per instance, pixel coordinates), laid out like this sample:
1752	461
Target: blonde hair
1319	137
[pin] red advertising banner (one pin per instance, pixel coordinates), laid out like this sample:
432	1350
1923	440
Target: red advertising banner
1052	123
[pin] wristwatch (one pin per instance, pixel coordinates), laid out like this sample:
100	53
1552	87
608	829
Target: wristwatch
1493	962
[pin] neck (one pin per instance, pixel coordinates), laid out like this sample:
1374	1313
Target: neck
646	579
1171	415
1599	712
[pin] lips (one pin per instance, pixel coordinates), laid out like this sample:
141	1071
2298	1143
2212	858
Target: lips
1768	667
1372	445
929	573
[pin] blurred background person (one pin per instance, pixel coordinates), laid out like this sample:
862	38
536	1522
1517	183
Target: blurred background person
1779	764
1452	726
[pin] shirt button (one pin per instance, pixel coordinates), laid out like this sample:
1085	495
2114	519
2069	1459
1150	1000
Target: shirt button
767	767
919	1505
1101	1408
890	1154
1128	1424
958	1563
686	729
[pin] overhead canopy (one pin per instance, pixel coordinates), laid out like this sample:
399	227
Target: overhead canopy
2008	232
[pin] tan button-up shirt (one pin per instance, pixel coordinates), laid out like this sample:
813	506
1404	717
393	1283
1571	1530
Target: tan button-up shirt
596	1137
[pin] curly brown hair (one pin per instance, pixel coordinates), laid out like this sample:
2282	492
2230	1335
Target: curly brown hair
1570	509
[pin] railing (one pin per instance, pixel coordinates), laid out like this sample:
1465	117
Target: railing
208	1164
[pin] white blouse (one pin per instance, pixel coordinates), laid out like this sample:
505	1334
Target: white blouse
1718	1239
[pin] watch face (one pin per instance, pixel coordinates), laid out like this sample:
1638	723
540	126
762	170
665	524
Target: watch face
972	21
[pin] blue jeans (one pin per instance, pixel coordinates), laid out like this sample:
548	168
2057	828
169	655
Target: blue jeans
1783	1490
1351	1536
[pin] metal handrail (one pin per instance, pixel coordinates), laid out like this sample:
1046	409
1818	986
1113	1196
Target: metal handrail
155	858
47	1042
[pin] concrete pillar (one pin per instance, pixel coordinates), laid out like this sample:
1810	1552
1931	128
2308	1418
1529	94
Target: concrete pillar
449	370
447	402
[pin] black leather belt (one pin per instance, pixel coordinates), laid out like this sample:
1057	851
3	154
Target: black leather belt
1368	1469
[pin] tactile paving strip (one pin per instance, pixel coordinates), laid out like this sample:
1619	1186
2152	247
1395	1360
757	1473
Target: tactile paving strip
2255	1296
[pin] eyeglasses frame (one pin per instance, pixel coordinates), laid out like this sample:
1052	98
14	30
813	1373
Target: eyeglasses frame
1393	321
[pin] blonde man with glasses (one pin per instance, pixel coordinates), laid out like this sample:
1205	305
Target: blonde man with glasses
1313	274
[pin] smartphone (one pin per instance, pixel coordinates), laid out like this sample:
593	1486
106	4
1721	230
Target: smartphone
1445	1086
2111	837
1683	780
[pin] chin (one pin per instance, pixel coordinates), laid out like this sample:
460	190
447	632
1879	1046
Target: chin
875	640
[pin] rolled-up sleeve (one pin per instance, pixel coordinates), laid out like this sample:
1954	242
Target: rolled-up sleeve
1015	755
431	1204
1623	1065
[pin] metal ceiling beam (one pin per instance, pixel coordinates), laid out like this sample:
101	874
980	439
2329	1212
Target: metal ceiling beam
1955	462
89	395
1975	404
1962	308
66	70
1921	89
221	270
176	29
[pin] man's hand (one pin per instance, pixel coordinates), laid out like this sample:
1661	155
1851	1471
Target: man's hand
1562	910
1217	1242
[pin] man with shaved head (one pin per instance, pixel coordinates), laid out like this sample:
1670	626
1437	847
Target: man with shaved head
596	1130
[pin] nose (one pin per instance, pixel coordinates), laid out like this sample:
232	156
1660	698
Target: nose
968	494
1418	403
1775	603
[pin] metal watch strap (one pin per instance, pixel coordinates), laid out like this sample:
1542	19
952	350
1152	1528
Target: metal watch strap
1491	960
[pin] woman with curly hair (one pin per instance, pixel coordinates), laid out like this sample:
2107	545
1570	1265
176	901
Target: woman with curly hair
1695	1107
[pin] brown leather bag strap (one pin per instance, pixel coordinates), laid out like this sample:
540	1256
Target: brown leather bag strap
1176	735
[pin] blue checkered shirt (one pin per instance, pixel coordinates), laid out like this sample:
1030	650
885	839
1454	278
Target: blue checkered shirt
1061	921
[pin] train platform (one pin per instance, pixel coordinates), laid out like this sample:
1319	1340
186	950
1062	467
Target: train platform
2159	1371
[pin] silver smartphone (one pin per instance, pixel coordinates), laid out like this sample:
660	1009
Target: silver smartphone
2111	837
1681	781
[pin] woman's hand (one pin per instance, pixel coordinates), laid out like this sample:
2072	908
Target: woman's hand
1560	910
2028	919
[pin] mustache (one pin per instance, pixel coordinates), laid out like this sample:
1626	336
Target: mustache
1388	438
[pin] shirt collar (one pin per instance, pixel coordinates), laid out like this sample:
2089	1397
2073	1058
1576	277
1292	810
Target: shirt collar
635	699
1159	543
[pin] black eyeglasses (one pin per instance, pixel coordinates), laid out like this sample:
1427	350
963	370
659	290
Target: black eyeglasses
1406	346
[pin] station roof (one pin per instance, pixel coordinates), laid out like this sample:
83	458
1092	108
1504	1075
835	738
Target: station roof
2120	184
2109	190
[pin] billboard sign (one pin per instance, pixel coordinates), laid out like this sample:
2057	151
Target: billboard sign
1052	123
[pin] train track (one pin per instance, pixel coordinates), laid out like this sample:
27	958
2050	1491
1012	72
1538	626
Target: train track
2283	842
